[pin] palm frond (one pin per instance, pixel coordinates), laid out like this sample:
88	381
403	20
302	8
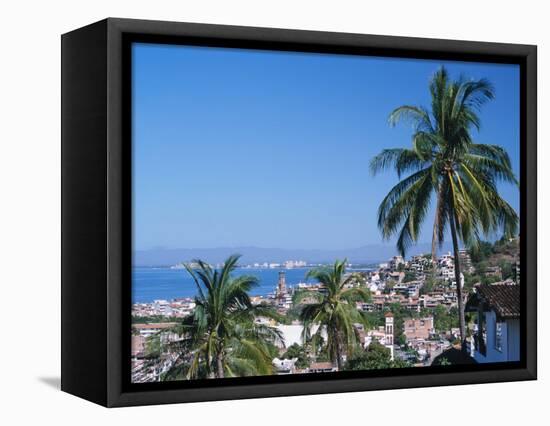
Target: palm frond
402	160
418	116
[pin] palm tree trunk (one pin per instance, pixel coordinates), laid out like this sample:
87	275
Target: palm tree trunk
219	365
336	347
462	323
436	225
338	356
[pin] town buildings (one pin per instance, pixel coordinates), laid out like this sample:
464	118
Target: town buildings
414	288
465	261
177	308
290	264
282	295
321	367
418	328
395	263
421	264
146	370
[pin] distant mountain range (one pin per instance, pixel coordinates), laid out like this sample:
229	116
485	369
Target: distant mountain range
373	253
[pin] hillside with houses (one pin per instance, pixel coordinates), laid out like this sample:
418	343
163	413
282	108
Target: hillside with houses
408	319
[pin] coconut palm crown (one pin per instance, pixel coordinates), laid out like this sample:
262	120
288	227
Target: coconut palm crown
221	335
333	311
447	166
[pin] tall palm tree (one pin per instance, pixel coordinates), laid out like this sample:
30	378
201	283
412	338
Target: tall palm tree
446	164
333	312
221	337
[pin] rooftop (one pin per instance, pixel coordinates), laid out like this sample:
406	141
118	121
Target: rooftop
503	297
321	366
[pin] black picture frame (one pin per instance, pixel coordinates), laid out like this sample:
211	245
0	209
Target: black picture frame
96	210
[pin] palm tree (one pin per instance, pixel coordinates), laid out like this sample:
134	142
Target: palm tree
221	337
446	164
333	312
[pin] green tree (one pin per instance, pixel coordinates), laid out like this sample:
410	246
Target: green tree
486	280
222	337
469	281
389	285
429	285
153	318
446	164
153	347
374	319
507	269
442	321
297	351
481	251
401	339
376	357
409	276
334	311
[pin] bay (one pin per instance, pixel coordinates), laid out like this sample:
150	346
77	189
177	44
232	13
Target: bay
149	284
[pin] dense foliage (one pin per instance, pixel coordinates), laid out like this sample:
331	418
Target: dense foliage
376	356
297	351
334	311
222	337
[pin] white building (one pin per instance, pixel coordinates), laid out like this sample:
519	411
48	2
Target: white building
446	266
285	366
162	307
382	335
498	315
290	264
395	261
292	333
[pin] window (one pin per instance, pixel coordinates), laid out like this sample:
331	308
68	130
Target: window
498	336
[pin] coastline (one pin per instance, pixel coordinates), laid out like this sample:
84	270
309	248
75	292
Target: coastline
163	283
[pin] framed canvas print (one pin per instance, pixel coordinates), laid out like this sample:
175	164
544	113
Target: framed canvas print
254	212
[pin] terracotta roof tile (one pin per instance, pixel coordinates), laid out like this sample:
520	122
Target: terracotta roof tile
321	366
503	297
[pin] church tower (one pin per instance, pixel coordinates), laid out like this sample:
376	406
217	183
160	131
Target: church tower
388	333
281	287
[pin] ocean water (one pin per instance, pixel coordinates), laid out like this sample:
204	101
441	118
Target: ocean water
150	284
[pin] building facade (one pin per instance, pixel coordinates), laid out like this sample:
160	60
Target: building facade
418	328
497	334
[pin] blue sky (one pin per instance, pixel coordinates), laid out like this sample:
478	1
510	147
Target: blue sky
236	147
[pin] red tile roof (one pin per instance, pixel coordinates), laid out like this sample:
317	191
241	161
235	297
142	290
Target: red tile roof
503	297
321	366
